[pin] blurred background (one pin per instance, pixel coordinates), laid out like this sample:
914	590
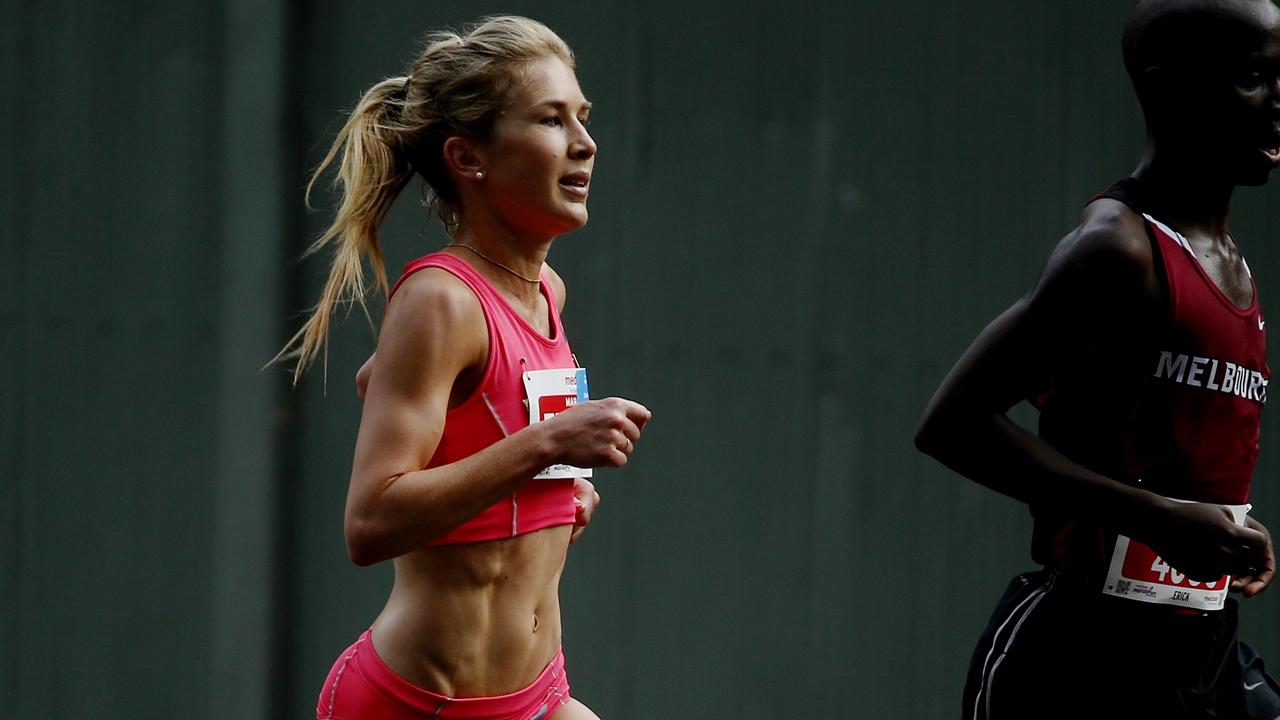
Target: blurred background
801	214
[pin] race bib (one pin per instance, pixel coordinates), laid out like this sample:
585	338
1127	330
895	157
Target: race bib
1138	573
549	392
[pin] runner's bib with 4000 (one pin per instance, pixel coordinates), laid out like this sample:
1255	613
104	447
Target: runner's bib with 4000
550	392
1138	573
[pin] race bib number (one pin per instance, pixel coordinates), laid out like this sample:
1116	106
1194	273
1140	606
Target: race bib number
549	392
1138	573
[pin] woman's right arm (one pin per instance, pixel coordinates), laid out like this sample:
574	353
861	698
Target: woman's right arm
433	332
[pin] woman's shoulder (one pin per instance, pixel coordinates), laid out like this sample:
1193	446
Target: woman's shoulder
557	284
433	321
434	295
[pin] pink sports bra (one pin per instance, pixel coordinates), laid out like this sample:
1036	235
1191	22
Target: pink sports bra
497	407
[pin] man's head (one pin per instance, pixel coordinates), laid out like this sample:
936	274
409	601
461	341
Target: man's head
1207	73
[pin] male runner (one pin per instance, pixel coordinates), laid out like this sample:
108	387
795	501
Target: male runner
1142	344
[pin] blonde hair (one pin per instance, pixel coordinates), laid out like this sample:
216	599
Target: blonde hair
456	87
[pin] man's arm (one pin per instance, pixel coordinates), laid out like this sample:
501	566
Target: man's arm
1099	291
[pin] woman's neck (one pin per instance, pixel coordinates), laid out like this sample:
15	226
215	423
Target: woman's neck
509	261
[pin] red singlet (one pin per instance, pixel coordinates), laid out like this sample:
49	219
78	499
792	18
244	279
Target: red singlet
1181	420
497	407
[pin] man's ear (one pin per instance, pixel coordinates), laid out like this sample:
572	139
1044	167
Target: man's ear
1153	88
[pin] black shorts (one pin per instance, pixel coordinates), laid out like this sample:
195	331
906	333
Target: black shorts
1058	648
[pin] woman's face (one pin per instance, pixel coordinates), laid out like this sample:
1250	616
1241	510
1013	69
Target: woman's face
538	162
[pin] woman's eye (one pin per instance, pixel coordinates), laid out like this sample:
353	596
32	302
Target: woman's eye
585	121
552	121
1251	80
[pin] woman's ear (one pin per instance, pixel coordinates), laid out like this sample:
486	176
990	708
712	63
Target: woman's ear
464	159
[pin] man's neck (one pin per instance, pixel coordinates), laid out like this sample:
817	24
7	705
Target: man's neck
1184	193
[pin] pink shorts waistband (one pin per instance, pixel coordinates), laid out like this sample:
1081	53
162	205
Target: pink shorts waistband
357	694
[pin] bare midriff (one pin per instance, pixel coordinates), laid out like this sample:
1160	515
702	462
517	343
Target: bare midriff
475	619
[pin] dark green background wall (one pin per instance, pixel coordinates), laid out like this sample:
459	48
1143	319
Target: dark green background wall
800	216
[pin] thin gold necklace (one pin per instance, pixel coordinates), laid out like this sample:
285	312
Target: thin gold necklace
495	262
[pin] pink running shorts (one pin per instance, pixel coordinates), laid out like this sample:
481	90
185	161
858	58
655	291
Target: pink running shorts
361	687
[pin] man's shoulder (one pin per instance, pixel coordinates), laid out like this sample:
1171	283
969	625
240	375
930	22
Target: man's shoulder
1107	258
1109	233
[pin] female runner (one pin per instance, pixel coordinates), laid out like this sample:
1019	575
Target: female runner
443	477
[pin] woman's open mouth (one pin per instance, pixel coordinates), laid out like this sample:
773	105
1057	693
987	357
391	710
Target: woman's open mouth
577	184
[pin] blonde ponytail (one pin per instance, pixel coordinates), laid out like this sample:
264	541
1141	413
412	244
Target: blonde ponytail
370	177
